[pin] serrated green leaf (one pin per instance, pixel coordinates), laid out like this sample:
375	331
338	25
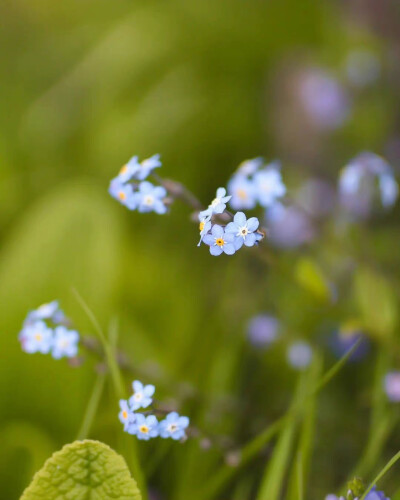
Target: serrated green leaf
83	470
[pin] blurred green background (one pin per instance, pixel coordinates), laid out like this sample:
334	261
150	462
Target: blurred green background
86	84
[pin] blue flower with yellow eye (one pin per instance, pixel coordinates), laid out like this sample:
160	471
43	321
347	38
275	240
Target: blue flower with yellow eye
126	415
36	337
243	230
144	427
145	167
173	426
128	170
123	193
217	206
219	241
244	194
142	395
149	198
65	343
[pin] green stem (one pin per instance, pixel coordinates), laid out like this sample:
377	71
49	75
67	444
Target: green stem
92	407
387	467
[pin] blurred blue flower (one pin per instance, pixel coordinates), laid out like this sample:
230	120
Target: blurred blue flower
392	386
128	170
243	230
299	355
149	198
142	395
173	426
126	415
372	495
50	311
324	99
263	330
217	206
362	179
268	185
344	338
288	227
65	343
219	241
36	337
243	192
144	427
123	193
145	167
250	167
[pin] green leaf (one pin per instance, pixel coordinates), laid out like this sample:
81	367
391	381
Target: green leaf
83	470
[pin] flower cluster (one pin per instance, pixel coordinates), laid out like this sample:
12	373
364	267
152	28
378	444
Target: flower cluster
145	425
45	331
230	238
255	183
132	190
364	178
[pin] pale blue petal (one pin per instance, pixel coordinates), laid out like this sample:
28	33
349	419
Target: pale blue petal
215	250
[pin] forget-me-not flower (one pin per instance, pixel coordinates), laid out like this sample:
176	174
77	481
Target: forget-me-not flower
243	192
204	227
49	311
392	386
145	167
299	355
219	241
217	206
36	337
142	395
128	170
149	198
126	415
269	185
173	426
144	427
65	343
243	230
263	330
250	167
123	193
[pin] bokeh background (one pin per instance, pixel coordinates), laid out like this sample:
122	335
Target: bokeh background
84	85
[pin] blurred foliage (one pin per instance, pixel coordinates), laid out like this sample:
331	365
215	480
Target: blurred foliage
83	86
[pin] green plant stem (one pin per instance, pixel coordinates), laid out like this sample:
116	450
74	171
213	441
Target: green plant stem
300	478
92	407
383	471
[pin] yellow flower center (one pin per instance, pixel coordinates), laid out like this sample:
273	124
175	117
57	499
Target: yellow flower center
124	414
122	195
220	242
242	194
244	231
215	202
124	169
148	200
137	396
201	226
144	429
38	337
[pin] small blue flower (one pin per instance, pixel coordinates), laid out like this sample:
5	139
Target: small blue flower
123	193
36	337
243	192
145	167
65	343
299	355
49	311
142	395
263	330
204	227
243	230
149	198
389	189
173	426
250	167
392	386
126	415
217	206
144	427
269	186
128	170
219	241
373	494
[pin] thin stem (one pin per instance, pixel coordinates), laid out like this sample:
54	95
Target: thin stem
92	407
178	190
300	486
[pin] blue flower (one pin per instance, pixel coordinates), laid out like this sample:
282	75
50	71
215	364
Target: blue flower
149	198
126	415
389	189
392	386
144	427
243	192
142	396
145	167
173	426
128	170
65	343
123	193
217	206
219	241
36	337
243	230
250	167
50	311
299	355
269	186
263	330
376	495
204	227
